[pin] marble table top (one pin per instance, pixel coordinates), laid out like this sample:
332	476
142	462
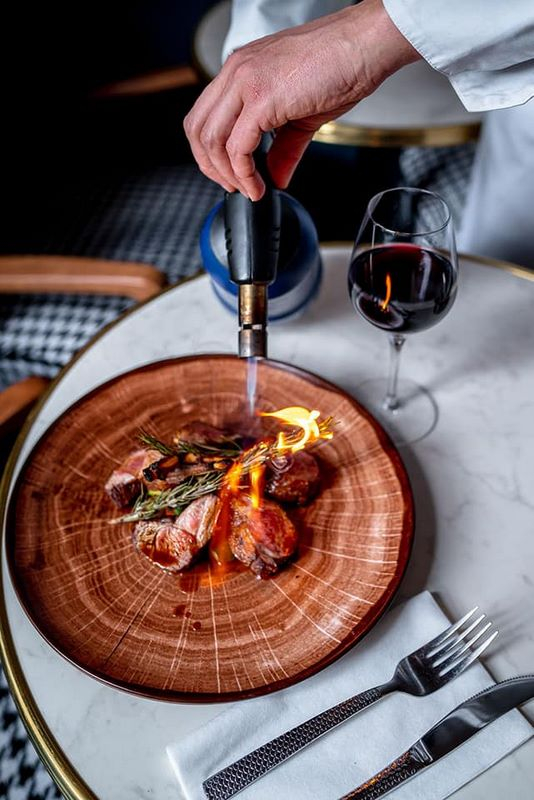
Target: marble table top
472	479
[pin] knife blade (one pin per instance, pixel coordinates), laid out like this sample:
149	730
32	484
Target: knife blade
450	732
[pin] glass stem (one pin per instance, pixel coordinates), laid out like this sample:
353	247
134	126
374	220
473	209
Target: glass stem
396	341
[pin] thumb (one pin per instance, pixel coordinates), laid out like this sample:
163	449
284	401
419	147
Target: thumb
286	151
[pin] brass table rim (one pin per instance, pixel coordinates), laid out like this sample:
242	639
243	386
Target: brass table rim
67	778
56	762
343	133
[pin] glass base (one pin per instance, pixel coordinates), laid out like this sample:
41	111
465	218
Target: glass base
415	417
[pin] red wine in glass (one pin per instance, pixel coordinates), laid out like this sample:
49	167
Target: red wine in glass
402	288
402	278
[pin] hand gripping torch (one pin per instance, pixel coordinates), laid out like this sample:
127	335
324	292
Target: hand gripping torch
252	233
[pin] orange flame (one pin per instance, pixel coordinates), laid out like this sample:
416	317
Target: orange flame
298	417
247	473
256	484
306	431
385	302
232	480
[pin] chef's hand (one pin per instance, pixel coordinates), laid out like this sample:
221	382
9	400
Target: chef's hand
292	82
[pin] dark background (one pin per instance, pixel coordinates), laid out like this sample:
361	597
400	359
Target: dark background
55	137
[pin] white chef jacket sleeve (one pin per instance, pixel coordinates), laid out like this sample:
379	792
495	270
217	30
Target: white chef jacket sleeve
252	19
484	47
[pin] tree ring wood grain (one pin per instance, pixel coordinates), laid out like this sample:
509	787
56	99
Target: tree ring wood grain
190	639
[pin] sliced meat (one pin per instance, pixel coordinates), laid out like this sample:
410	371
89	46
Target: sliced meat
171	471
180	474
166	475
201	433
164	543
173	544
159	469
262	538
199	516
298	484
125	483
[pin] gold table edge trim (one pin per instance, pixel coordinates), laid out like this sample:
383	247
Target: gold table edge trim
341	133
67	778
62	771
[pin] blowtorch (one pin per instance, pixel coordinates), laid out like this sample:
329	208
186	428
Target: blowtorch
252	234
262	257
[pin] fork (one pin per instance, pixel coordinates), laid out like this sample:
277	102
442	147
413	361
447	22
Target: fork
422	672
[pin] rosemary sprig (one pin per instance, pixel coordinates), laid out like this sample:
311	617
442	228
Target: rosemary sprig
149	505
227	449
155	444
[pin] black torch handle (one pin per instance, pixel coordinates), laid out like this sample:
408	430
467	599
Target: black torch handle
252	229
260	158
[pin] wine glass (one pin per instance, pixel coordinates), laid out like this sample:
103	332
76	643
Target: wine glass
403	279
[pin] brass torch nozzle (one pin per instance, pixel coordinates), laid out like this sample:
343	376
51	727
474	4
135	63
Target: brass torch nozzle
252	320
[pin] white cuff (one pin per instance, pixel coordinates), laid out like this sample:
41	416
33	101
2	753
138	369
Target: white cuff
485	52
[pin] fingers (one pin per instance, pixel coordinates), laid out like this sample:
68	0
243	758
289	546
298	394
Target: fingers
288	148
194	124
223	137
281	82
223	141
207	167
224	130
214	136
240	146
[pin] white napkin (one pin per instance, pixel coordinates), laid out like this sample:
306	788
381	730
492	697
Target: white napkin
349	755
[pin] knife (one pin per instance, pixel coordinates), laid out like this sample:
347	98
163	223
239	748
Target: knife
450	732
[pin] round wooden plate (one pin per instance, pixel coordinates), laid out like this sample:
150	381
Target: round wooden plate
193	637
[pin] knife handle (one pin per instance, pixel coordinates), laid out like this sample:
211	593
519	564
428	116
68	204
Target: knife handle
237	776
404	767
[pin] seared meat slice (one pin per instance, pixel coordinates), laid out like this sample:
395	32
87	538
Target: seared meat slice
159	469
125	483
167	472
201	433
172	544
182	473
164	543
199	516
298	484
262	538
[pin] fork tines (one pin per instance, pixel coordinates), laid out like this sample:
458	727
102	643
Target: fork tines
451	650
